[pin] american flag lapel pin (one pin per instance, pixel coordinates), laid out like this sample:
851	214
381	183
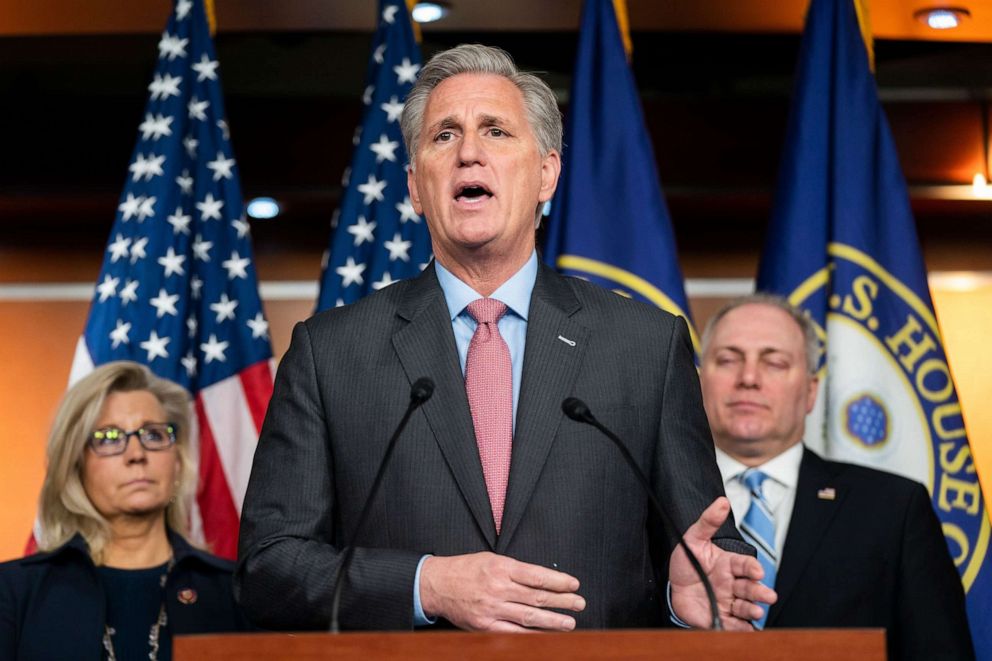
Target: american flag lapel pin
827	493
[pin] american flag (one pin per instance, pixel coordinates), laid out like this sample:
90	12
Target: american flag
377	238
178	289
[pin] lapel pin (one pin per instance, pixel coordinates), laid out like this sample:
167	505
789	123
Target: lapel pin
827	493
187	596
567	341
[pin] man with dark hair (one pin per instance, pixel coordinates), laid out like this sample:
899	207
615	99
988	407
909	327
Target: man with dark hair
843	545
497	512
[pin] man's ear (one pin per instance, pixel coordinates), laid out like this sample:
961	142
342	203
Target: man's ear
814	387
550	171
411	184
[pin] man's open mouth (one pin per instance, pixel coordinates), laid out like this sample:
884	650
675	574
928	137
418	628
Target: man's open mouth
472	192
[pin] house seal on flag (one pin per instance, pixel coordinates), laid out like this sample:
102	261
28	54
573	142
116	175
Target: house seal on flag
891	392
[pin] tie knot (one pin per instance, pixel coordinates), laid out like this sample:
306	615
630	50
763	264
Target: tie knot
753	479
486	310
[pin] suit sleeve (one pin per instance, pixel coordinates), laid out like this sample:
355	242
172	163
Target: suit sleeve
933	623
287	556
686	474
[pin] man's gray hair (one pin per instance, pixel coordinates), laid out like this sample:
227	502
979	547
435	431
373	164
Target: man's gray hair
540	102
810	342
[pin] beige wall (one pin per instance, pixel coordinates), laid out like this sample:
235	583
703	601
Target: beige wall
37	340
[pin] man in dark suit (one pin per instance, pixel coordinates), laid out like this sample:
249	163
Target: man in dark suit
848	546
497	512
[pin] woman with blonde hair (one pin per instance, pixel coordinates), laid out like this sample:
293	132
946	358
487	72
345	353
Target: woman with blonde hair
116	577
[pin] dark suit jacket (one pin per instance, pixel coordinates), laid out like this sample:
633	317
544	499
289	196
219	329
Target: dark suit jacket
571	502
53	606
874	556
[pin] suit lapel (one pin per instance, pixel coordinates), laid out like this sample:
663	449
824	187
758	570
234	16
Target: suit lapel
818	498
426	347
552	356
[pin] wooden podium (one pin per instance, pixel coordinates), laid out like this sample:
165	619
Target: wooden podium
773	645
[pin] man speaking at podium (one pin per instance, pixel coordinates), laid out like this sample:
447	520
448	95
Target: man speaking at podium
496	512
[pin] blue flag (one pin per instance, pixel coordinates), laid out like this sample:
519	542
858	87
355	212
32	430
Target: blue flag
842	245
377	238
609	223
178	290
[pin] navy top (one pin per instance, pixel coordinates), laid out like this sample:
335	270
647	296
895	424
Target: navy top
134	599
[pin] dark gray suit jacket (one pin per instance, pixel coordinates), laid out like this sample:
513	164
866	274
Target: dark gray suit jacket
871	556
571	503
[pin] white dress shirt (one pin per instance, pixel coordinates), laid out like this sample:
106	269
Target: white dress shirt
779	489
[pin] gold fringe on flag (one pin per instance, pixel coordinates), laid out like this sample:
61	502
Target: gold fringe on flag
208	6
415	24
861	6
620	7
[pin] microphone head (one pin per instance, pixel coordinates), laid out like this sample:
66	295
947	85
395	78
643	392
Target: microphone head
422	390
576	409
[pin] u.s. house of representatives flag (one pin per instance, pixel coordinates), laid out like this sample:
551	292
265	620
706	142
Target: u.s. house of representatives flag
842	245
377	237
609	222
178	290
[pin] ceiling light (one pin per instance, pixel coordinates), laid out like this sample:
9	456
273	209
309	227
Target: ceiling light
428	12
942	18
263	208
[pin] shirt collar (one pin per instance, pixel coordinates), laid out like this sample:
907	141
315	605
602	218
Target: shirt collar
783	468
515	292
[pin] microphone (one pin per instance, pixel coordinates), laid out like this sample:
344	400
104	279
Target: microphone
420	392
577	410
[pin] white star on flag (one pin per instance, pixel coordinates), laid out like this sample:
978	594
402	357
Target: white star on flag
385	282
189	362
155	346
147	208
242	227
172	263
191	325
406	72
155	127
224	130
130	292
146	167
162	87
118	336
367	95
379	53
362	230
236	266
398	248
372	189
197	109
185	182
259	326
351	272
213	350
221	167
389	13
190	143
172	47
393	109
205	68
130	206
180	222
407	212
118	248
108	287
385	149
196	284
209	208
224	308
164	304
182	9
201	252
138	249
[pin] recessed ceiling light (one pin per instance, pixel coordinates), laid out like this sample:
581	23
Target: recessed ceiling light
263	208
942	18
428	12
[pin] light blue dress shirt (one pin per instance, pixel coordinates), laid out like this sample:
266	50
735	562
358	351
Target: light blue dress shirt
516	293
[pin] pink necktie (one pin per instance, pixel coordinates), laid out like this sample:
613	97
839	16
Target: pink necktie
489	385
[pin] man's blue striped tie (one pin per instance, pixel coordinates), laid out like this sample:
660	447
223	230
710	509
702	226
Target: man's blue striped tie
758	528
